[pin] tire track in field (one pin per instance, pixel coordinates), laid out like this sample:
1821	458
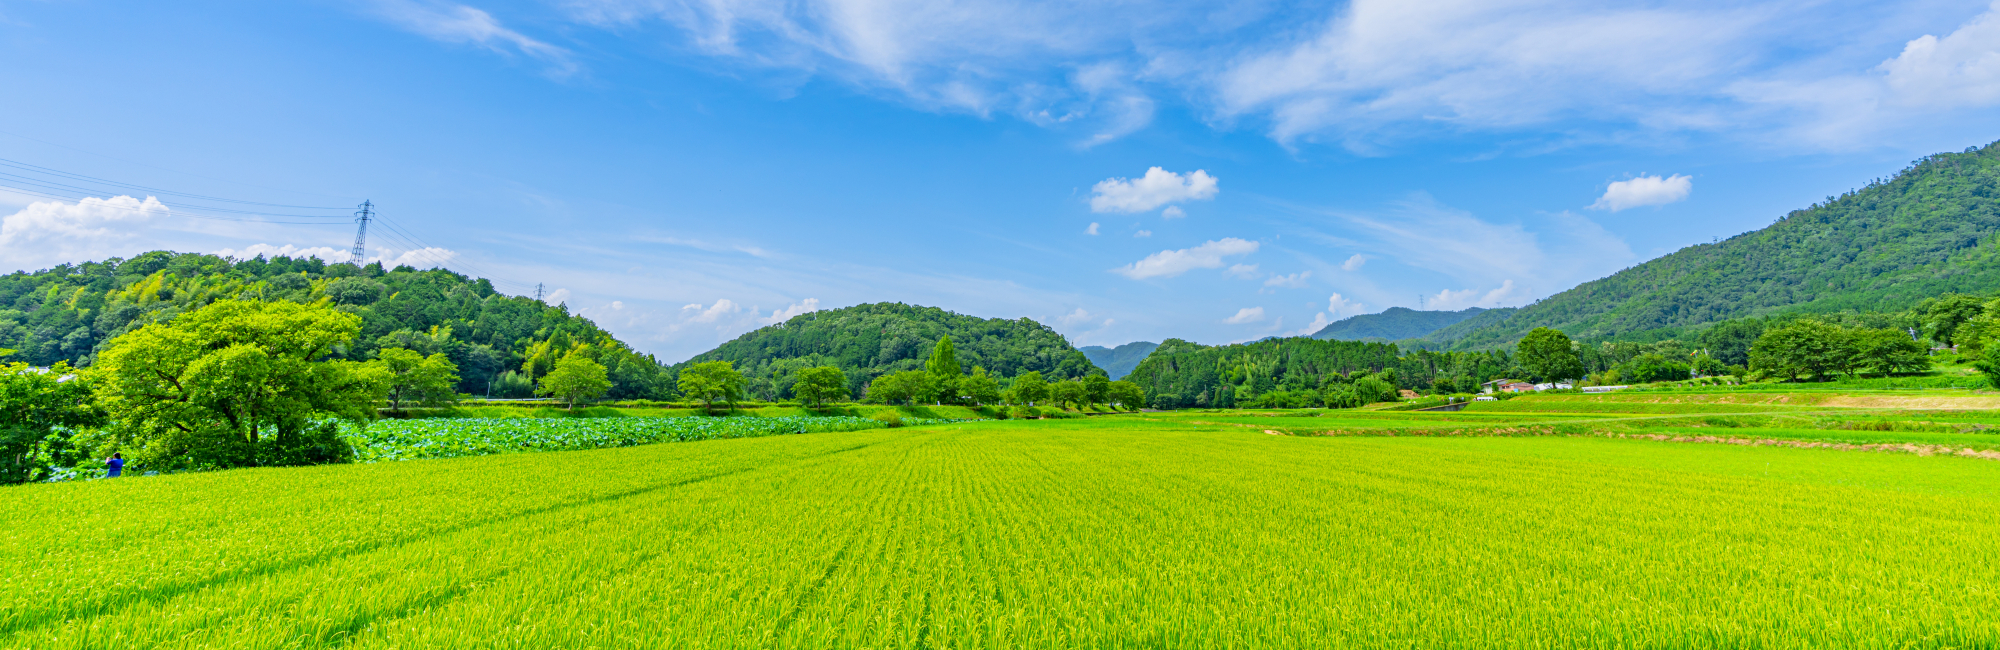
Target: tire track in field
27	622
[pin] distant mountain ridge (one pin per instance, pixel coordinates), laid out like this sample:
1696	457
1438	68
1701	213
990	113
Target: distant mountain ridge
1119	361
1933	228
1393	324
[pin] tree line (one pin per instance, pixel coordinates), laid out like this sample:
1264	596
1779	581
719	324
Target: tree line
234	383
942	380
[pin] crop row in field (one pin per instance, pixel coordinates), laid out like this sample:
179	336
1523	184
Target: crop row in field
454	437
1107	532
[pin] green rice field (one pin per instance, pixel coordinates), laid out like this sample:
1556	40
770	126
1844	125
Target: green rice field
1153	530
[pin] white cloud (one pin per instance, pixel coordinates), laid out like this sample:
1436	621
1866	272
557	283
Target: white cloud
806	306
463	25
47	233
1092	230
422	258
1075	318
1960	70
324	253
1337	307
1157	188
1354	262
1644	191
1173	212
1244	271
1171	263
1293	281
1143	233
617	305
1448	300
1246	315
1487	65
697	313
1341	307
1318	323
556	297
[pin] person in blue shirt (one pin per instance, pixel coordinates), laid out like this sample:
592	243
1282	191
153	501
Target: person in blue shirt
117	464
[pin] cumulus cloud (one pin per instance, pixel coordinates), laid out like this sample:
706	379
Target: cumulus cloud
1092	230
806	306
1341	307
1246	315
557	297
47	233
1078	317
421	258
1172	263
1244	271
324	253
1354	263
1449	300
722	308
1337	307
1644	191
1293	281
462	25
1173	212
1143	233
1157	188
1960	70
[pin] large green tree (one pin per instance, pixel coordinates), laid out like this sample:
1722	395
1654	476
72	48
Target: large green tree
1549	355
819	385
1803	347
1029	388
412	377
944	369
235	383
575	378
34	404
1943	317
979	387
711	382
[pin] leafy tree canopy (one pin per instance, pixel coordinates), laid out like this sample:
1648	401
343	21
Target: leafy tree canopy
235	383
68	313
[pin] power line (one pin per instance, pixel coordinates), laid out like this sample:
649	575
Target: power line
75	176
171	213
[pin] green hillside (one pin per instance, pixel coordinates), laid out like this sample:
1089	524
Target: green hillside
1119	361
867	341
1929	230
1394	323
65	313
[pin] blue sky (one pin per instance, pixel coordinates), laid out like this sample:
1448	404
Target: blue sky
684	172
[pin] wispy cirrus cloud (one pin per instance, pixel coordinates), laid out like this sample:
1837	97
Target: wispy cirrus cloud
467	25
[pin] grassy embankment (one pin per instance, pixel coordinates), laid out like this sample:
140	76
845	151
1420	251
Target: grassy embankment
1137	531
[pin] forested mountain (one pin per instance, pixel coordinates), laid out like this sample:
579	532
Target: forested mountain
867	341
67	313
1393	324
1119	361
1929	230
1184	374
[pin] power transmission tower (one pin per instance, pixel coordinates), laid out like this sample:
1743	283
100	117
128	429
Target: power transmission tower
538	292
361	235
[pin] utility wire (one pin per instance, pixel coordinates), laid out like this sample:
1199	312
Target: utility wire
169	212
74	176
